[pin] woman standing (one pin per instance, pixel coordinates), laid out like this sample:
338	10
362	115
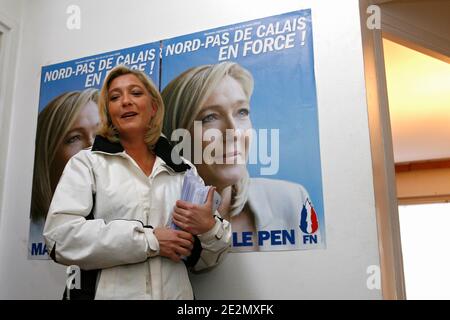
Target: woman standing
113	205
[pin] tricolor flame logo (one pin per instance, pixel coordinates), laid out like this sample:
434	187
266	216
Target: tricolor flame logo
308	218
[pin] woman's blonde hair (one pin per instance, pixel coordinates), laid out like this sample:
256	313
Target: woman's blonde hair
184	97
54	122
107	128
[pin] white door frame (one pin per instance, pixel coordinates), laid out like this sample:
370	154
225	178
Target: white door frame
9	30
391	262
386	207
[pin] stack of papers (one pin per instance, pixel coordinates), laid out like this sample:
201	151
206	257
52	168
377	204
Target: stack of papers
195	191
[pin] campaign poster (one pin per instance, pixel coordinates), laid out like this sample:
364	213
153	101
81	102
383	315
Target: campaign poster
276	201
280	203
67	116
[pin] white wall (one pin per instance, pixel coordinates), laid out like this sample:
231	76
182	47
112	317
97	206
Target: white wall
10	16
11	8
10	29
336	272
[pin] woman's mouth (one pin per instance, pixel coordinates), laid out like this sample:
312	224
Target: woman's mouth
128	114
234	157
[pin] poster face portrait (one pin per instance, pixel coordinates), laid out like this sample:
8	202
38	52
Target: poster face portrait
240	104
253	81
66	125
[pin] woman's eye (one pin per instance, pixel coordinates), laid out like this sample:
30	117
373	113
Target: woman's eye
244	112
136	93
113	98
209	118
73	139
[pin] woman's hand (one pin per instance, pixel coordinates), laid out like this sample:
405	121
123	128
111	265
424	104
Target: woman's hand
174	244
194	218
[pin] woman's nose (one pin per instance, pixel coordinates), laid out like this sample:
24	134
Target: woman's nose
231	124
234	128
126	99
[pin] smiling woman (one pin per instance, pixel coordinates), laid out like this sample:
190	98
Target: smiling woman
128	106
113	206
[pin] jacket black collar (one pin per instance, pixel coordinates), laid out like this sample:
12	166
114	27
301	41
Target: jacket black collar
163	149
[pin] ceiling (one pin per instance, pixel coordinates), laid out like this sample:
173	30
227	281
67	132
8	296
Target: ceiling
419	103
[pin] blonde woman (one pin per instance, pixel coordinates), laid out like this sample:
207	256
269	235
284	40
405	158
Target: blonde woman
218	97
113	206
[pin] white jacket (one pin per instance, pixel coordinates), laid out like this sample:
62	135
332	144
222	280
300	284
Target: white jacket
106	183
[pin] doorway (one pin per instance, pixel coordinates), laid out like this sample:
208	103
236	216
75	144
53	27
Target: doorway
423	24
417	68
